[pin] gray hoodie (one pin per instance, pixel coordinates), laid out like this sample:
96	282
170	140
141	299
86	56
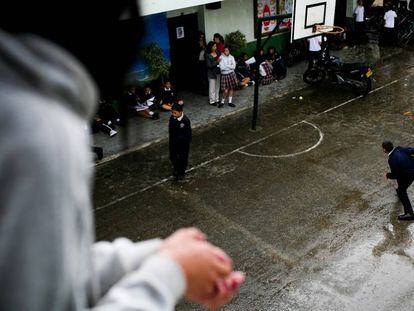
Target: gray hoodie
48	258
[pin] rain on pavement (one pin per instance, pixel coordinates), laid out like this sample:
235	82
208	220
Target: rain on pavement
302	206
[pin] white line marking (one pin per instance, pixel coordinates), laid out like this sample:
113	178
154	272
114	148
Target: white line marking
235	150
290	154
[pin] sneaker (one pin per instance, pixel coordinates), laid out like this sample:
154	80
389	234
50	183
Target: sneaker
112	133
232	105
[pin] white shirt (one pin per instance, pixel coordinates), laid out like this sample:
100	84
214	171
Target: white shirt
315	44
227	64
359	11
390	17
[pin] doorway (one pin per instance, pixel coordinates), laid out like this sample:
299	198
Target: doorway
183	34
340	13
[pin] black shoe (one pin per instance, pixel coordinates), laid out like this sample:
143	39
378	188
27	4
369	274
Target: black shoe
179	177
221	105
406	217
99	152
155	116
213	104
232	105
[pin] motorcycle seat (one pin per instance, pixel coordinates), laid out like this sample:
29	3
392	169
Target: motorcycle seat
352	66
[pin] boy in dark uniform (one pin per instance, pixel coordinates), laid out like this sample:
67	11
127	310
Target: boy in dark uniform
180	137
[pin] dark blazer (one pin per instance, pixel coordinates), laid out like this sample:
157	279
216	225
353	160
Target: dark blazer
401	163
180	131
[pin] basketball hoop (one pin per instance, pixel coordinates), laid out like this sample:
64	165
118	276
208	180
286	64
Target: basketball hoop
329	29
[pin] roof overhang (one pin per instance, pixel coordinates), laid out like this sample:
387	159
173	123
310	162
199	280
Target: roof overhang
149	7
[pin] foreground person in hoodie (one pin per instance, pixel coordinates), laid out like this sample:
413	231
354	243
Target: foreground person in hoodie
52	60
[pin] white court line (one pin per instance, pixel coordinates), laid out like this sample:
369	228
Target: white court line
237	150
290	155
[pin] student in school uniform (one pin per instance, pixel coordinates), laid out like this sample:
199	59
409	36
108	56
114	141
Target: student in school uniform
266	70
360	36
389	33
169	97
180	136
228	77
315	49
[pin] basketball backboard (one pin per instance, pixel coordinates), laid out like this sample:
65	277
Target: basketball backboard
307	13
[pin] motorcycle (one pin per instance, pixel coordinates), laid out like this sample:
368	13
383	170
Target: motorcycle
357	76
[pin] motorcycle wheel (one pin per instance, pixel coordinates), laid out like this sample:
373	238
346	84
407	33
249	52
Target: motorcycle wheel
314	76
366	86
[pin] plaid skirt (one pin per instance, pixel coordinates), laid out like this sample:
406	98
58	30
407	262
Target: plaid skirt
229	81
267	80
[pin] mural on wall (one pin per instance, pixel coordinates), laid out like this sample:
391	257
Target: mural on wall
266	8
156	31
285	7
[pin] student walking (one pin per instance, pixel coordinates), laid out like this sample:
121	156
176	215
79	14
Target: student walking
401	163
180	138
228	77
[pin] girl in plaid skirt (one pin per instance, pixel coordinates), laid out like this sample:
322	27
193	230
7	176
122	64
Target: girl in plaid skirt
228	76
266	70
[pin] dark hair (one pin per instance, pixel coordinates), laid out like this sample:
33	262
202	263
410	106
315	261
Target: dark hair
210	46
269	56
227	47
177	107
271	48
219	36
387	146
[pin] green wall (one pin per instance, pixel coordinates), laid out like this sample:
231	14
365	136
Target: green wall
279	41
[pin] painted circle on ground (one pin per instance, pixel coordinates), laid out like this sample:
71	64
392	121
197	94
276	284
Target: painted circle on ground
290	155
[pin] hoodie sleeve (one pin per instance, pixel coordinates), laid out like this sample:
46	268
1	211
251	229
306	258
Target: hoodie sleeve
156	286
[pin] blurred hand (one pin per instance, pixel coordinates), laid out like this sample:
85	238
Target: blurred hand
225	291
208	269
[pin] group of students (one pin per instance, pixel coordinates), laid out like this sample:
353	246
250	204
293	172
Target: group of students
134	101
225	73
388	36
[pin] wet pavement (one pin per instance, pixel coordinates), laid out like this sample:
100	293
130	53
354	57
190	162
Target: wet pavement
144	132
302	205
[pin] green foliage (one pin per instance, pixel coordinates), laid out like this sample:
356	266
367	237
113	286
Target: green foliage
158	65
235	40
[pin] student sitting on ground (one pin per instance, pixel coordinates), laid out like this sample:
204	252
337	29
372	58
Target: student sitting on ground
243	72
150	98
106	119
279	67
266	70
169	97
99	125
141	108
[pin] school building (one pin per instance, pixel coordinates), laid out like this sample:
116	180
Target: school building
174	26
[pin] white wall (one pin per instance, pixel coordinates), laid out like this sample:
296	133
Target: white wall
233	15
350	7
149	7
